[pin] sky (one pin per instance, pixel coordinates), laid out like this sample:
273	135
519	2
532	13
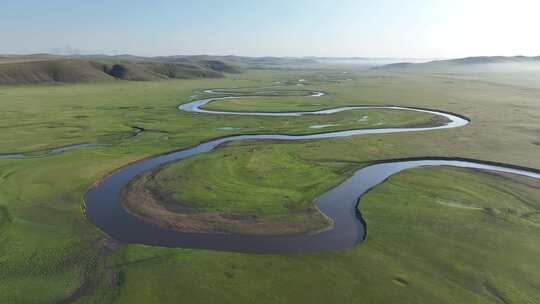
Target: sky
326	28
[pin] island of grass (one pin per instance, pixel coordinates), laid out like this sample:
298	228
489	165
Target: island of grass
233	190
346	120
277	103
242	190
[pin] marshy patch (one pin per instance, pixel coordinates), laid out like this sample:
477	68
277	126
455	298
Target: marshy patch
401	281
5	217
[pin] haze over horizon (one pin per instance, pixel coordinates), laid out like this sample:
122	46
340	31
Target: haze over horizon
354	28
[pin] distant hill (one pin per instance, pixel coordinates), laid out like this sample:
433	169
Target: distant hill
242	61
219	66
231	60
49	68
487	60
468	62
45	68
68	71
390	66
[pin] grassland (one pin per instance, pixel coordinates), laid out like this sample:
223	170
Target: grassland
37	118
419	250
48	247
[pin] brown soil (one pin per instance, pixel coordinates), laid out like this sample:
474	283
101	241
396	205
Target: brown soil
182	216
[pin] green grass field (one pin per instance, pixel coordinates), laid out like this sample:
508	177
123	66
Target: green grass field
436	235
37	118
419	250
269	203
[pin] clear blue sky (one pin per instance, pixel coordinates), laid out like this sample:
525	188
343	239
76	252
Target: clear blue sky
383	28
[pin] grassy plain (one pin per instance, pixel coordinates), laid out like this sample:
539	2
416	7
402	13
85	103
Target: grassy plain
47	246
37	118
435	235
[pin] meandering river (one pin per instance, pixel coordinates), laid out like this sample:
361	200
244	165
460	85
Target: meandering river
103	201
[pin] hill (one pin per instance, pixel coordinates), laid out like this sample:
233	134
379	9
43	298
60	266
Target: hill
44	68
231	60
68	71
480	62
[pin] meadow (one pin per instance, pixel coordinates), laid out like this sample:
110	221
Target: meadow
435	235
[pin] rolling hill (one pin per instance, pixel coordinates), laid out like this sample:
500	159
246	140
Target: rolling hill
480	62
44	68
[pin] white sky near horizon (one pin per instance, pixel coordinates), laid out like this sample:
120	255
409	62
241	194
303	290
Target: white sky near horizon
345	28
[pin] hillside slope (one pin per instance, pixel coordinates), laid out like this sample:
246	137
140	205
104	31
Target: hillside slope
468	62
21	71
68	71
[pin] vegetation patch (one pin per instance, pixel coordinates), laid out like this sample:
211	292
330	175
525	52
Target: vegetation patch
234	189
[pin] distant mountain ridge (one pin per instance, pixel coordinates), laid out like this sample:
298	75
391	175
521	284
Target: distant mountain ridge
50	68
46	68
467	61
239	61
